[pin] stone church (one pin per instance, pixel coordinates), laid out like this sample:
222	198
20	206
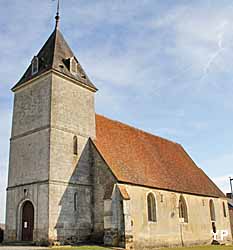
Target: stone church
75	175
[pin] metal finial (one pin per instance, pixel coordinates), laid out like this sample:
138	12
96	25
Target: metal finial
58	14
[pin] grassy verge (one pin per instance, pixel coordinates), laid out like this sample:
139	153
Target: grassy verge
81	248
184	248
203	248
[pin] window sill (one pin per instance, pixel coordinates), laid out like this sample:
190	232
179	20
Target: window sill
153	222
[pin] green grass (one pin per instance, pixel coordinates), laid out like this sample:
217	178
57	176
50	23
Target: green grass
184	248
81	248
203	248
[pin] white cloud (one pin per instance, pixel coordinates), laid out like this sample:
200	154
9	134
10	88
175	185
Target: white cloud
199	48
202	43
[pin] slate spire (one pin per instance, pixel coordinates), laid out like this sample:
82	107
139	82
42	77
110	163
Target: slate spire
56	55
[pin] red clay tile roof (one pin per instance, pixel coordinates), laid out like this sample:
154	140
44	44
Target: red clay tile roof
141	158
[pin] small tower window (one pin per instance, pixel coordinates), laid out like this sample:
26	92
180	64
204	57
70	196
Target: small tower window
151	207
183	211
75	145
35	65
75	201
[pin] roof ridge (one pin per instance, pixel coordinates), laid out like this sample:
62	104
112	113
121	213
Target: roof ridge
140	130
54	47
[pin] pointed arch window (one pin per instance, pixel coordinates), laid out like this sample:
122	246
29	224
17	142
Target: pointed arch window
75	145
212	211
35	65
224	209
75	201
183	211
151	207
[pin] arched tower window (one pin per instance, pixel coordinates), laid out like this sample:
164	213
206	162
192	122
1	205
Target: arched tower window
75	145
75	201
151	207
212	211
224	209
183	211
35	65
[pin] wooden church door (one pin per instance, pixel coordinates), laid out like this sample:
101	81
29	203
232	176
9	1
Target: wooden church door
27	221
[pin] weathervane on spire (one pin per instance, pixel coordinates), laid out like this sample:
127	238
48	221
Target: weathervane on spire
58	14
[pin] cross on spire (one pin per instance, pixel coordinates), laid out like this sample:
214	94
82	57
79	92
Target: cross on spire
58	14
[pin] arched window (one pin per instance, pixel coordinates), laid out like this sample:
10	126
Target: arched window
75	145
151	207
212	211
35	65
224	209
183	211
75	201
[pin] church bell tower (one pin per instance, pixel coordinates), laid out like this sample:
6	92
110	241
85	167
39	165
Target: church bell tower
53	119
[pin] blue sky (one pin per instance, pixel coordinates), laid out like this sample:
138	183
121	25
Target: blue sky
162	66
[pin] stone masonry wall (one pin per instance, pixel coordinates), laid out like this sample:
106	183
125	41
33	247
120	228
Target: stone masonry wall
72	108
103	183
70	222
117	221
72	114
38	195
29	149
29	158
231	219
32	106
48	113
168	230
